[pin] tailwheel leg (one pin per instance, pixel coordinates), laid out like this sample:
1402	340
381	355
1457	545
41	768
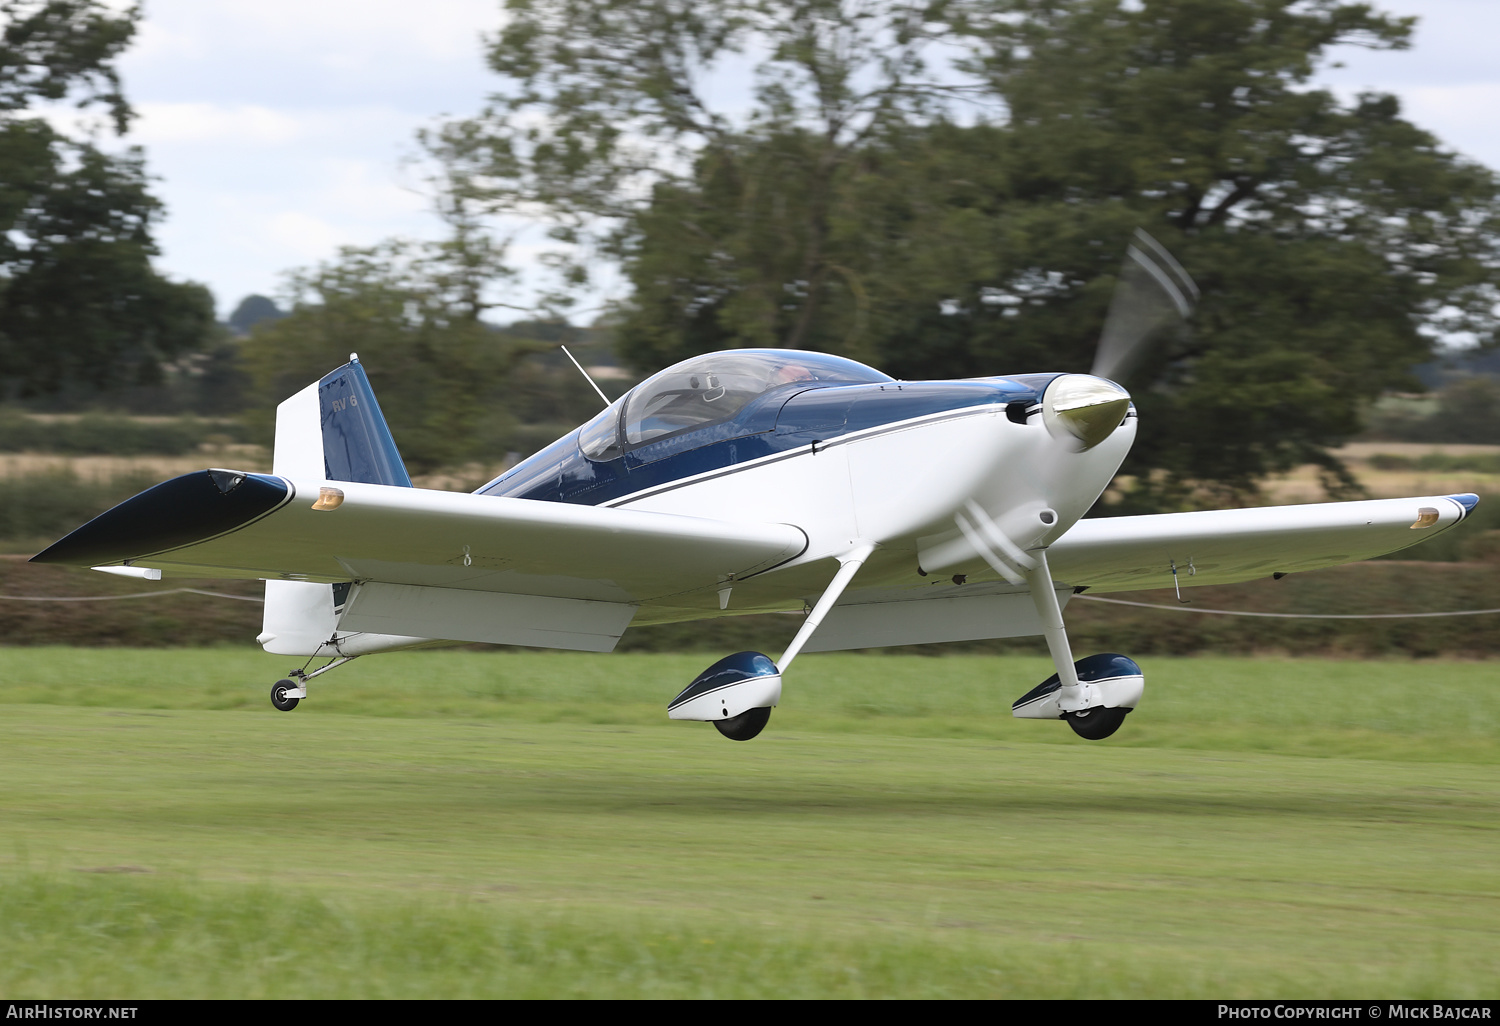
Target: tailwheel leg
286	693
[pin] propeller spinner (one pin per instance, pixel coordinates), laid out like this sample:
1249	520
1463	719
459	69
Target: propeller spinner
1084	408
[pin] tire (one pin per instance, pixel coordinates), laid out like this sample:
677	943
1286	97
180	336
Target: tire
278	696
1096	724
744	726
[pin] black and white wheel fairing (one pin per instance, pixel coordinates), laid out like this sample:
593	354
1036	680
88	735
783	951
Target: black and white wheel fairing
735	694
1112	686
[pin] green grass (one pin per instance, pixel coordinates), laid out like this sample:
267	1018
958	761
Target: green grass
522	824
1425	710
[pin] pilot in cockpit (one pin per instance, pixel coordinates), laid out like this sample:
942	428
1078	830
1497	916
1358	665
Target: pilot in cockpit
790	372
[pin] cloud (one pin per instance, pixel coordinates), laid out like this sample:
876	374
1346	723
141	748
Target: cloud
1452	113
308	238
208	122
277	126
292	50
369	190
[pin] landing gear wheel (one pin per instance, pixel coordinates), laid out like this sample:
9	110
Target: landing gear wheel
1096	724
279	698
746	725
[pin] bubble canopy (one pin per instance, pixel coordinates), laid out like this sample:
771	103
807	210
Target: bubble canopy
712	388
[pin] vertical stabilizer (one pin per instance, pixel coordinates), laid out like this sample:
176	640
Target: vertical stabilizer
334	431
298	453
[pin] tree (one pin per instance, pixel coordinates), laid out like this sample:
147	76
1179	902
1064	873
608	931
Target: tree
453	388
910	221
858	207
610	114
1333	243
80	306
252	310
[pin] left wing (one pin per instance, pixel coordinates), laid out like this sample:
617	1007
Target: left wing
1138	553
1228	545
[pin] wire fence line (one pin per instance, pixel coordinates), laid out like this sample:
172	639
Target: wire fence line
1087	598
132	595
1286	616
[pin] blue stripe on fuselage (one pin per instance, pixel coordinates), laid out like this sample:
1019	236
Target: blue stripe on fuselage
776	424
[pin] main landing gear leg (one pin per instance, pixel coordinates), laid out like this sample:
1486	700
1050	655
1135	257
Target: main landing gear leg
848	566
736	694
1094	694
1044	597
286	693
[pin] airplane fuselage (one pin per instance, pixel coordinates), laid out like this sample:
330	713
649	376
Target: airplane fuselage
886	462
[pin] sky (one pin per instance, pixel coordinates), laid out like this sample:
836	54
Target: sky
279	130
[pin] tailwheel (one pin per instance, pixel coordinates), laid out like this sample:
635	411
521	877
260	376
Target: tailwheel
746	725
1096	724
279	697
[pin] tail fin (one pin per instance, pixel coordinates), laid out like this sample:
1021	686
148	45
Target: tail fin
333	430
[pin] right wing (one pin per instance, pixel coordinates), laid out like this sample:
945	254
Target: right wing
231	524
429	564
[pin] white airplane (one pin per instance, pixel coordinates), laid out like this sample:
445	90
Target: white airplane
747	481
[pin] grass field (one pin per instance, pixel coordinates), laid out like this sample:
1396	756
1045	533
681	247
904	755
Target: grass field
509	824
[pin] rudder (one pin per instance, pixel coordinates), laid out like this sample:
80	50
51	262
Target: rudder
333	430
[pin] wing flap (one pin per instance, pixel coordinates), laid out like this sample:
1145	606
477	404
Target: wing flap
537	621
929	616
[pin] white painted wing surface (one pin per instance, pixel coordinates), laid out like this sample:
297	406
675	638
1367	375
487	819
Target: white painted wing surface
1130	553
1225	546
426	538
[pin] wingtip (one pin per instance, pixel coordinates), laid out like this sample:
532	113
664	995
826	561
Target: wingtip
1468	500
184	510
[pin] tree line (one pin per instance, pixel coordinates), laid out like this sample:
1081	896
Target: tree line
946	189
940	188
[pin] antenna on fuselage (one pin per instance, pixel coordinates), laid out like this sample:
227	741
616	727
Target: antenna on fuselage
585	374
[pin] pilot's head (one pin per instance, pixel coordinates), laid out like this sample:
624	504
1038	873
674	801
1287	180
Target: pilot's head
789	372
